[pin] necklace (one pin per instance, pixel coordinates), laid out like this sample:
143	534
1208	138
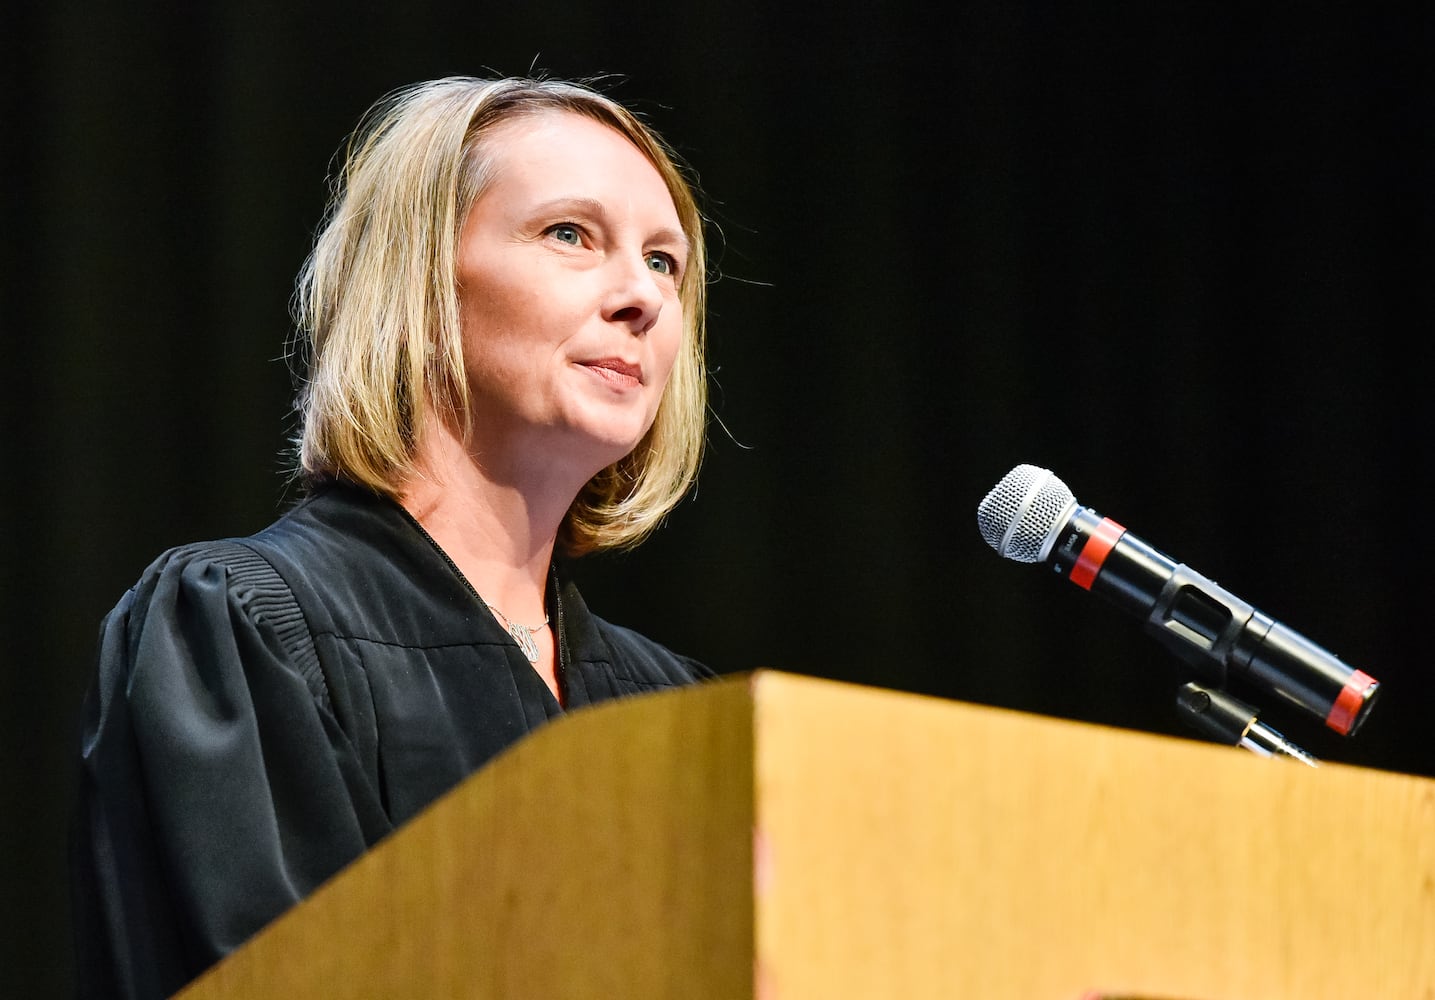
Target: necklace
522	634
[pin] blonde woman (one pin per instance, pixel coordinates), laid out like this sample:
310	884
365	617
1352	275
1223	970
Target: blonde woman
503	350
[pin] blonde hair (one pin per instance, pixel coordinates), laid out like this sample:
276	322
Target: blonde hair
377	303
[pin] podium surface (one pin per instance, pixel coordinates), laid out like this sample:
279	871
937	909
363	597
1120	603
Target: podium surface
781	837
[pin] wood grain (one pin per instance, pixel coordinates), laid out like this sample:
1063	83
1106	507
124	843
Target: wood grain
789	838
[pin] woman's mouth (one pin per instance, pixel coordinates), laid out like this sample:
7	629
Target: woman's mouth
616	372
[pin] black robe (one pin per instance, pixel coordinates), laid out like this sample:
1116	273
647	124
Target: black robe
248	734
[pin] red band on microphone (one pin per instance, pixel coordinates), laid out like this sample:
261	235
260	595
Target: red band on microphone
1349	702
1095	551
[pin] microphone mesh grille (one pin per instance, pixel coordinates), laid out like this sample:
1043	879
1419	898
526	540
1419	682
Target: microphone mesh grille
1020	512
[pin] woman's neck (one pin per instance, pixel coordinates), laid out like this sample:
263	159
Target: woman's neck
498	529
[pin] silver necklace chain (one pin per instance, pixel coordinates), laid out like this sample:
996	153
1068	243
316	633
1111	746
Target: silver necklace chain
522	634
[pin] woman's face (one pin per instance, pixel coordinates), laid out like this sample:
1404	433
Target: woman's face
568	272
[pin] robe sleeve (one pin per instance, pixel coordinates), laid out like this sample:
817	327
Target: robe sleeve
216	789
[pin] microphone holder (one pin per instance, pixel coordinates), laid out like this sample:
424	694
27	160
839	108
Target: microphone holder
1234	723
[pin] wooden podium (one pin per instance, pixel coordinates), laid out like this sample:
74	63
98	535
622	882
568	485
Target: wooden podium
787	838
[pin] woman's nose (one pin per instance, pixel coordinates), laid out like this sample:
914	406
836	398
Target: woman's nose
635	299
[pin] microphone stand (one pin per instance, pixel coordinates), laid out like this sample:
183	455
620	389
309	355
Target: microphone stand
1234	723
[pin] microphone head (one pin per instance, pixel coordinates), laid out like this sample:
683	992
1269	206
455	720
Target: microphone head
1022	513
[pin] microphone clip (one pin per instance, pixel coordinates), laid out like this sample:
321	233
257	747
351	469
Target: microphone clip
1234	723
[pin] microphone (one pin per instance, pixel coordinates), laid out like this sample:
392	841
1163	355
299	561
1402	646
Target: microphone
1031	516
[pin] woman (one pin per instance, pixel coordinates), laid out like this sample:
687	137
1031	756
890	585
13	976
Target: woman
504	324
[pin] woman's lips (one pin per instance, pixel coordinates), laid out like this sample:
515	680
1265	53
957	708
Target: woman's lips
616	372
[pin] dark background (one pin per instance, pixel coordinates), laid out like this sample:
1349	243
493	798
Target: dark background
1181	257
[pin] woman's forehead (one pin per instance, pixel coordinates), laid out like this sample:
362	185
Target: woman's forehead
562	154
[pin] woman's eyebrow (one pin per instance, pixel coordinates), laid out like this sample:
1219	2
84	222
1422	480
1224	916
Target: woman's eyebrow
594	208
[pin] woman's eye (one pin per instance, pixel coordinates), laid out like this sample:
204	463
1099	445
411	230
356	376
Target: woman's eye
663	263
566	232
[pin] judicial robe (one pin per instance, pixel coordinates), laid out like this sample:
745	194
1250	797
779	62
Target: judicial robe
266	709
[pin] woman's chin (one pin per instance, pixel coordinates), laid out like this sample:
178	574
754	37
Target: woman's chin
613	435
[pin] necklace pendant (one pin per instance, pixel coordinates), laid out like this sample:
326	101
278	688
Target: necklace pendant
523	635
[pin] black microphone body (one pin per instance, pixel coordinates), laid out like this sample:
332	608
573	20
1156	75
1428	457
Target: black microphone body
1204	625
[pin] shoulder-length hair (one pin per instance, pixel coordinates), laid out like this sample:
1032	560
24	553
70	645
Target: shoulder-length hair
376	305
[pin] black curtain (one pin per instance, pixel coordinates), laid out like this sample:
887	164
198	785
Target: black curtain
1179	255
